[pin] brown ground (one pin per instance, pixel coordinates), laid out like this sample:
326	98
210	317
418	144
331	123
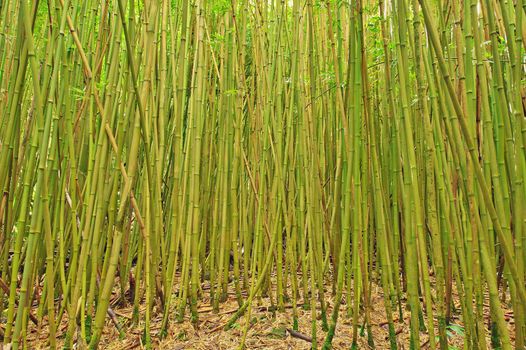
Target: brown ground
269	332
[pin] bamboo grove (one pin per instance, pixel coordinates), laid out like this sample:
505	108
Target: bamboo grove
301	151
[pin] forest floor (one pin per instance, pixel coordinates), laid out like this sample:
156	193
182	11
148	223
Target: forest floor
269	329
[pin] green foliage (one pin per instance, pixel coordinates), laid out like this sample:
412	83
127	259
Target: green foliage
452	331
278	332
329	78
181	335
220	7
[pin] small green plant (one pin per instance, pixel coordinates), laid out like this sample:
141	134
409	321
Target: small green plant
452	331
278	332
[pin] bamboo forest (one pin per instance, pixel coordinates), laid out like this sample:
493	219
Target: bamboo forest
263	174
